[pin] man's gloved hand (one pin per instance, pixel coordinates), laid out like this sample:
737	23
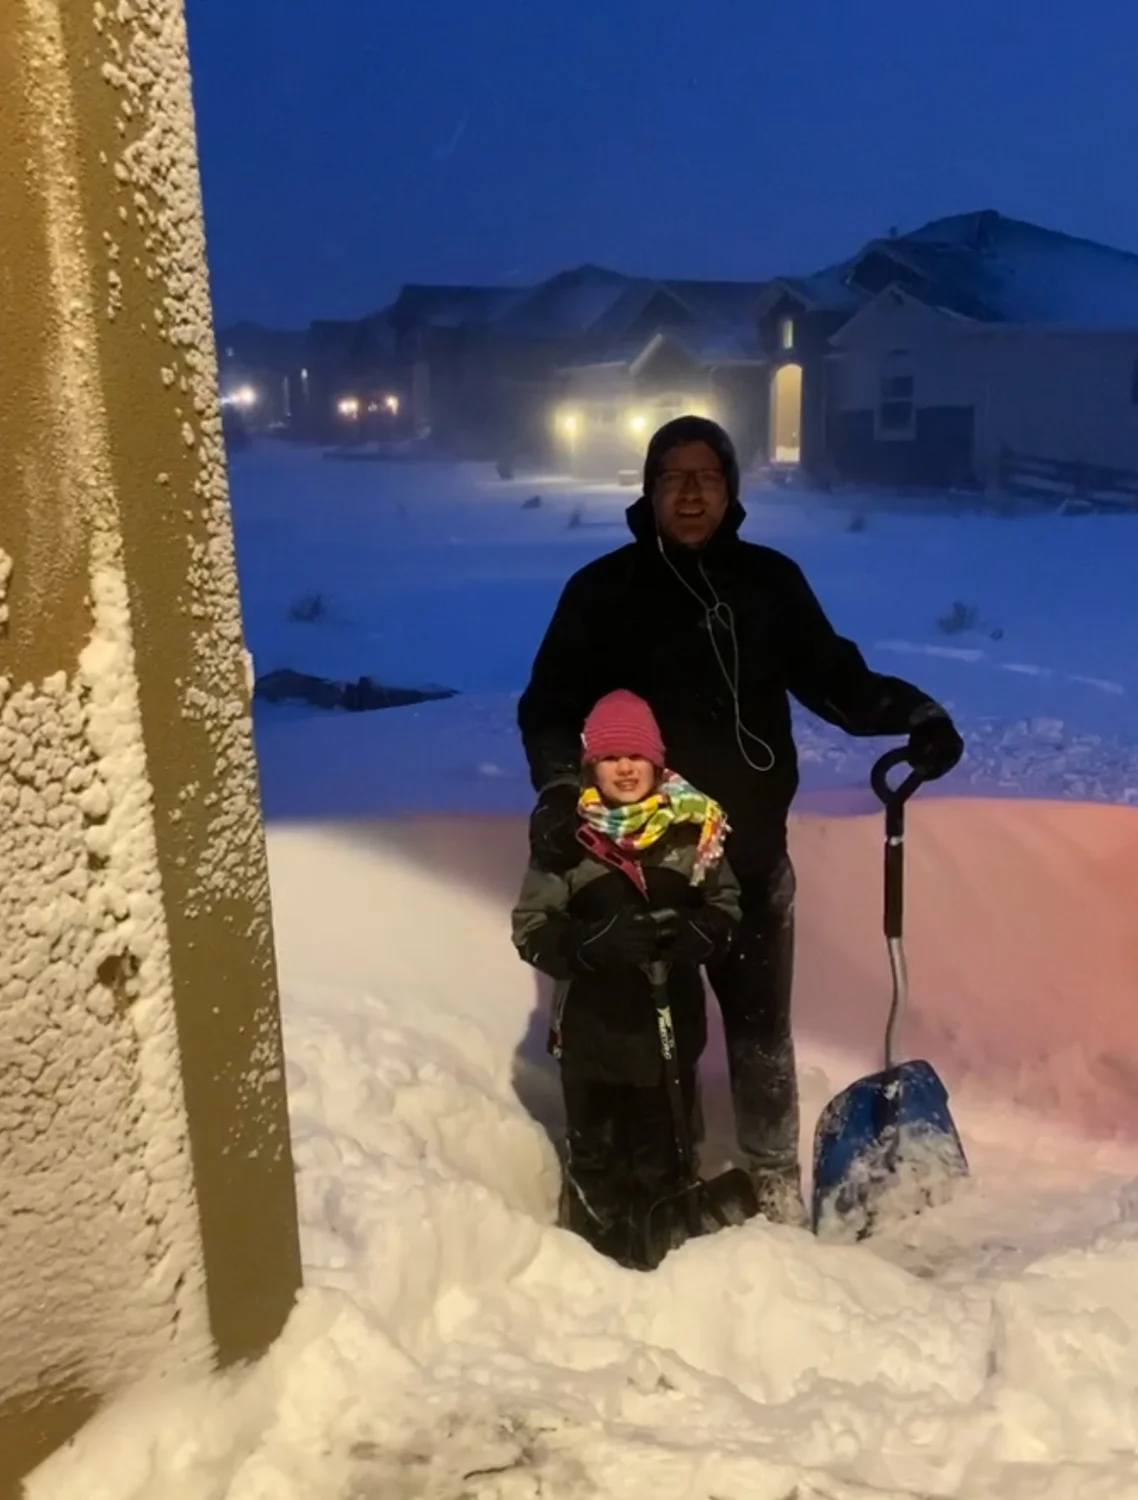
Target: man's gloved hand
934	746
629	939
553	828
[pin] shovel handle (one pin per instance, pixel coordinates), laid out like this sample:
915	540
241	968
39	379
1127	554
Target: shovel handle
893	798
657	972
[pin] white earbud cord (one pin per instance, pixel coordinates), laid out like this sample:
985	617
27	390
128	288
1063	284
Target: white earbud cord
720	612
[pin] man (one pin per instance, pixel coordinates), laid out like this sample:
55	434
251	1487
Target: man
715	633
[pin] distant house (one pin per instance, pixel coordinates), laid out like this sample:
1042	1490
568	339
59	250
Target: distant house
439	338
960	353
483	360
491	368
350	386
692	347
937	357
300	382
258	370
577	316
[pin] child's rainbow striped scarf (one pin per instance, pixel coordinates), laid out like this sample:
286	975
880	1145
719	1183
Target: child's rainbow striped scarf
637	827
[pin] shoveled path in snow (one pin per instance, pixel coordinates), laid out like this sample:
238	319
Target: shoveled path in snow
1022	948
453	1346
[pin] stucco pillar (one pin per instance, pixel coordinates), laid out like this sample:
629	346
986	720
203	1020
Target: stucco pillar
147	1208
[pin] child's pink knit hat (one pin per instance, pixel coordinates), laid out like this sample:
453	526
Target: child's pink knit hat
622	724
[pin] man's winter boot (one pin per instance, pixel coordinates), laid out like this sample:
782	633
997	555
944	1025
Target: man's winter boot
779	1193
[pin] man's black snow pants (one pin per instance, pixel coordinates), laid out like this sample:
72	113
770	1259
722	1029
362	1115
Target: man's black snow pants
753	988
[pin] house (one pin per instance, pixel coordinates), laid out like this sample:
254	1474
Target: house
492	366
439	337
258	370
350	387
691	347
1007	339
483	360
930	358
313	383
481	371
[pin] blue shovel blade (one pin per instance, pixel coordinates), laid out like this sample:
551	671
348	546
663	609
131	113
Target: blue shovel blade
886	1146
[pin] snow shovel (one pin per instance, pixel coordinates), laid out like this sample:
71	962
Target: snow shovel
887	1143
697	1207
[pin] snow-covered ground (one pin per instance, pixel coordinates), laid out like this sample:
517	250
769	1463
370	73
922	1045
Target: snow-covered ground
436	575
450	1343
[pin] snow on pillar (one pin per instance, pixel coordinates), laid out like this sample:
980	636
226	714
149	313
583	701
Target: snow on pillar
147	1208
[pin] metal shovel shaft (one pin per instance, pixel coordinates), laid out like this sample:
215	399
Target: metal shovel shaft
657	972
894	799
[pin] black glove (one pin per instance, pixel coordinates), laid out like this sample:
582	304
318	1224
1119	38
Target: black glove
691	943
694	935
553	828
934	745
627	940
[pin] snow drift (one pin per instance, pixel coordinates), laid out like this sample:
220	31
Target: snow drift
452	1344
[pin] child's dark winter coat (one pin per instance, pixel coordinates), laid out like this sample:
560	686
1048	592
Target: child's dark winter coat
603	1024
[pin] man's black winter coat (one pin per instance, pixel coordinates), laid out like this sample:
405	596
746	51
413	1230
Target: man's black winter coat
715	640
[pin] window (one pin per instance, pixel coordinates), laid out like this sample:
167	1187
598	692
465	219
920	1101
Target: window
896	413
786	333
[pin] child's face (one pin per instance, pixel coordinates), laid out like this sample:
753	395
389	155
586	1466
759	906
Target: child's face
624	779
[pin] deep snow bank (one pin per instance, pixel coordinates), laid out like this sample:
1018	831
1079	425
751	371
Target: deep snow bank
1022	938
452	1345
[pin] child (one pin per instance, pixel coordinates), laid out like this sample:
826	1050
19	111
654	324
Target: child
650	842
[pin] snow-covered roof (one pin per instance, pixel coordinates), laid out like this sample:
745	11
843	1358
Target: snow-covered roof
709	344
729	303
451	306
566	306
703	344
590	303
330	338
1018	272
254	344
611	328
709	318
986	267
826	290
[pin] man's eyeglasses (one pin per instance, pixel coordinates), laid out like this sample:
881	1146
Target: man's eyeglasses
709	482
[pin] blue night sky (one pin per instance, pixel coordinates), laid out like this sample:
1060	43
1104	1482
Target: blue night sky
351	145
